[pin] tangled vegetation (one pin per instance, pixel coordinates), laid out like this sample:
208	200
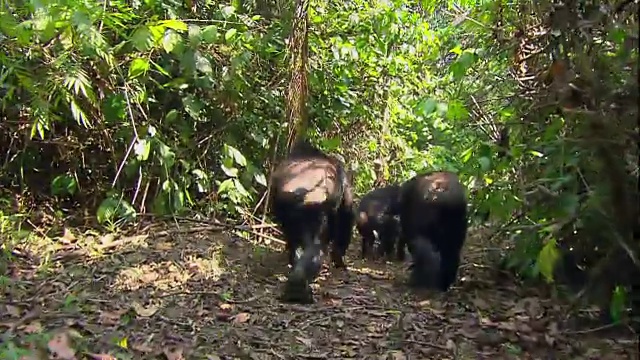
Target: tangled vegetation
118	116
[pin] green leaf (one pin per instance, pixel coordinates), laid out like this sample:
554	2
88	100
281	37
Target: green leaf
194	35
64	185
466	155
174	24
618	302
225	186
485	163
235	154
427	106
142	39
111	208
138	67
142	149
547	259
115	108
240	188
170	40
167	156
260	179
202	63
210	34
230	34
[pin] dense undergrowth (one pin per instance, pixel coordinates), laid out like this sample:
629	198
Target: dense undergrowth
112	110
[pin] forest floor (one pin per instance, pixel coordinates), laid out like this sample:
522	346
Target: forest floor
191	293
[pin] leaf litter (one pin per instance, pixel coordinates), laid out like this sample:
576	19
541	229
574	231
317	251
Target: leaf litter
209	295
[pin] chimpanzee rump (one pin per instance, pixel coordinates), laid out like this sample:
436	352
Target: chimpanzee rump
312	202
374	215
433	217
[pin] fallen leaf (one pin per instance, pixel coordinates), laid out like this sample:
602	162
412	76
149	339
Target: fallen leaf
305	341
13	310
60	347
398	355
32	328
110	317
241	318
174	354
226	306
480	304
67	237
144	348
144	311
102	356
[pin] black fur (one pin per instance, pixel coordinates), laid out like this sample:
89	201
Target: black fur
311	225
374	214
433	217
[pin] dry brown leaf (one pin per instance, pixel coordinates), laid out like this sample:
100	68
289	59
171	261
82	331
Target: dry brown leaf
144	311
13	310
67	237
32	328
60	347
226	306
144	348
174	354
241	318
102	356
110	317
480	304
305	341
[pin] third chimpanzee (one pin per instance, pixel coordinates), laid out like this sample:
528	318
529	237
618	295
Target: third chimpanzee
374	216
433	216
312	201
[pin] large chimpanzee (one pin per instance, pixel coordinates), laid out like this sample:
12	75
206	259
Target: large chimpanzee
374	216
312	201
433	217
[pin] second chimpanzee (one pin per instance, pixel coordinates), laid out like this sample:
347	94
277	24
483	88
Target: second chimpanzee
312	202
433	216
374	216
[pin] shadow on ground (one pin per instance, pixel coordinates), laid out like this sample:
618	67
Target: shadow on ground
194	294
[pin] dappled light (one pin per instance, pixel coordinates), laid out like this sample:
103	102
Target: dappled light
319	180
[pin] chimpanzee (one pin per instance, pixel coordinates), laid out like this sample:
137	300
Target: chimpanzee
433	217
374	215
312	201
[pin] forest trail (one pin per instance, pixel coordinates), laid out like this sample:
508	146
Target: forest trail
197	294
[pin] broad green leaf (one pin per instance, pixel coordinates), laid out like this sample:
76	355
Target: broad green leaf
240	188
547	259
202	63
236	155
427	106
210	34
485	163
111	209
230	34
64	185
194	35
170	40
225	186
142	39
174	24
138	67
260	179
142	149
466	155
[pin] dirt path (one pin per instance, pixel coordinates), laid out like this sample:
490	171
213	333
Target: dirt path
204	295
